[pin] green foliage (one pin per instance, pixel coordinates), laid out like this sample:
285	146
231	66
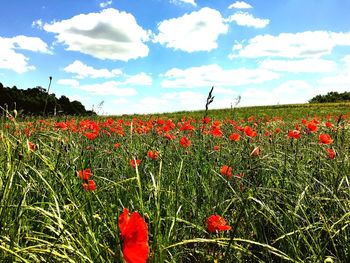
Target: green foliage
331	97
32	102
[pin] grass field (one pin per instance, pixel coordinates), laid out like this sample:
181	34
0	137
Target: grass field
277	178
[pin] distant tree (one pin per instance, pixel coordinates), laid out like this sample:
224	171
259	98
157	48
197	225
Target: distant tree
33	101
332	96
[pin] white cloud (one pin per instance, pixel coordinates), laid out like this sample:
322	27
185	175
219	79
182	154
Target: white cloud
240	5
106	3
300	65
120	101
197	31
37	23
108	88
287	93
214	75
309	44
68	82
83	71
12	60
245	19
192	2
139	79
339	82
102	35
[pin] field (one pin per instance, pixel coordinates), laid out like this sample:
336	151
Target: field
259	184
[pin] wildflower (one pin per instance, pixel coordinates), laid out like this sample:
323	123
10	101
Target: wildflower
328	124
116	145
294	134
135	162
134	234
153	155
85	174
216	147
312	126
331	153
216	223
91	135
205	120
169	136
234	137
89	186
325	138
226	170
249	131
185	142
216	131
278	130
31	146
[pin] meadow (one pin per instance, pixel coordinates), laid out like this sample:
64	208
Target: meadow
258	184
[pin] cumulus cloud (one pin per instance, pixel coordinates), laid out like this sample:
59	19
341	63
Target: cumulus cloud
214	75
68	82
103	35
197	31
286	93
37	23
104	88
106	3
309	44
240	5
140	79
308	65
83	71
246	19
191	2
12	60
339	82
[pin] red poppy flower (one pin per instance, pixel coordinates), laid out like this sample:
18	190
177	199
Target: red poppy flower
216	147
226	170
135	163
31	146
331	153
85	174
216	223
325	138
205	120
89	186
249	131
153	155
116	145
185	142
169	136
134	234
328	124
234	137
312	126
294	134
278	130
91	135
216	131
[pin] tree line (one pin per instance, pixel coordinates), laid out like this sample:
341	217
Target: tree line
32	101
332	96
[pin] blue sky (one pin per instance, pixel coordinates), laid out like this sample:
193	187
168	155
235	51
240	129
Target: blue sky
164	55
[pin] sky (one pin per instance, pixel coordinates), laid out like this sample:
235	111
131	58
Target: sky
123	57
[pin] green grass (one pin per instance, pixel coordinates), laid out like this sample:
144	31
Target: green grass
291	205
